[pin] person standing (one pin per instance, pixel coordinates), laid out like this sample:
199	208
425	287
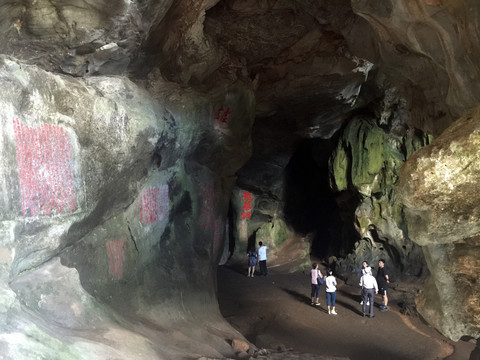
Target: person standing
383	280
315	274
252	261
331	290
363	271
369	289
262	258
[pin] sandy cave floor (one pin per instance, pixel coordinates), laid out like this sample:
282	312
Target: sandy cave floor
274	312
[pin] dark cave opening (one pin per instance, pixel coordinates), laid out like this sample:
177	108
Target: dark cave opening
311	207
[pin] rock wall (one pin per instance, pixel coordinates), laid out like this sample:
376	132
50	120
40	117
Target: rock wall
438	187
364	170
429	49
113	204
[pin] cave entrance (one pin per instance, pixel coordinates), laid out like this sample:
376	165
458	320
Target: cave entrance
311	207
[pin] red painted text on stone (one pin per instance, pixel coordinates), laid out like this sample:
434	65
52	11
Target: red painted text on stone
154	204
223	114
45	170
116	257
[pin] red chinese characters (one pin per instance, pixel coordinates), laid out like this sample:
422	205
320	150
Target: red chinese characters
247	206
45	163
223	114
154	204
116	257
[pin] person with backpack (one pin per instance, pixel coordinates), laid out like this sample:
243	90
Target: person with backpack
252	261
316	281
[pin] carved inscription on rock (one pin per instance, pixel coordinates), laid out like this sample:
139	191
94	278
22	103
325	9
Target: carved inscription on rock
45	172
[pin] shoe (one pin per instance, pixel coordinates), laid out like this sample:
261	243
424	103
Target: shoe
371	316
329	312
361	302
334	312
383	308
368	303
363	315
317	304
312	303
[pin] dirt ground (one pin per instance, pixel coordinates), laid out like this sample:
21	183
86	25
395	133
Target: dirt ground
274	312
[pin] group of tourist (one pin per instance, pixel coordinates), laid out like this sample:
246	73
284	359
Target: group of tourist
370	286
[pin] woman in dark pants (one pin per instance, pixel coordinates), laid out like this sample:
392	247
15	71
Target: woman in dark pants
315	286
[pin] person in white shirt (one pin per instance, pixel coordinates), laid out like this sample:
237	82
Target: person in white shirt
262	258
363	272
331	289
369	289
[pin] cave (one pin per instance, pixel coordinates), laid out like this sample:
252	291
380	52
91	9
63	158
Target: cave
147	145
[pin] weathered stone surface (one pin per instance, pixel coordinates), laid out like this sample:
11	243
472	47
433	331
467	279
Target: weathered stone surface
429	50
127	178
110	180
365	164
77	37
439	188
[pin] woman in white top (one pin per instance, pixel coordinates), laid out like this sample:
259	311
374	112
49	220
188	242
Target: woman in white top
331	289
315	275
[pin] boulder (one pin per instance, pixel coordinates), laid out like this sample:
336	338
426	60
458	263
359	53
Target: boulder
438	186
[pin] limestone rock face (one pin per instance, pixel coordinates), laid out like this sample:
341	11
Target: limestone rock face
430	48
365	165
110	197
439	188
124	126
78	37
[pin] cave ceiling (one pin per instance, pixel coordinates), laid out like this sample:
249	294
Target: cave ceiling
311	62
297	54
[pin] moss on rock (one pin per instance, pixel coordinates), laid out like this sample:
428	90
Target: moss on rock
274	233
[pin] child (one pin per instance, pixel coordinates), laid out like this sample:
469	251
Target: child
331	289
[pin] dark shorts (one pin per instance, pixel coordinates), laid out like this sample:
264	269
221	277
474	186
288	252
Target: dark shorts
382	291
